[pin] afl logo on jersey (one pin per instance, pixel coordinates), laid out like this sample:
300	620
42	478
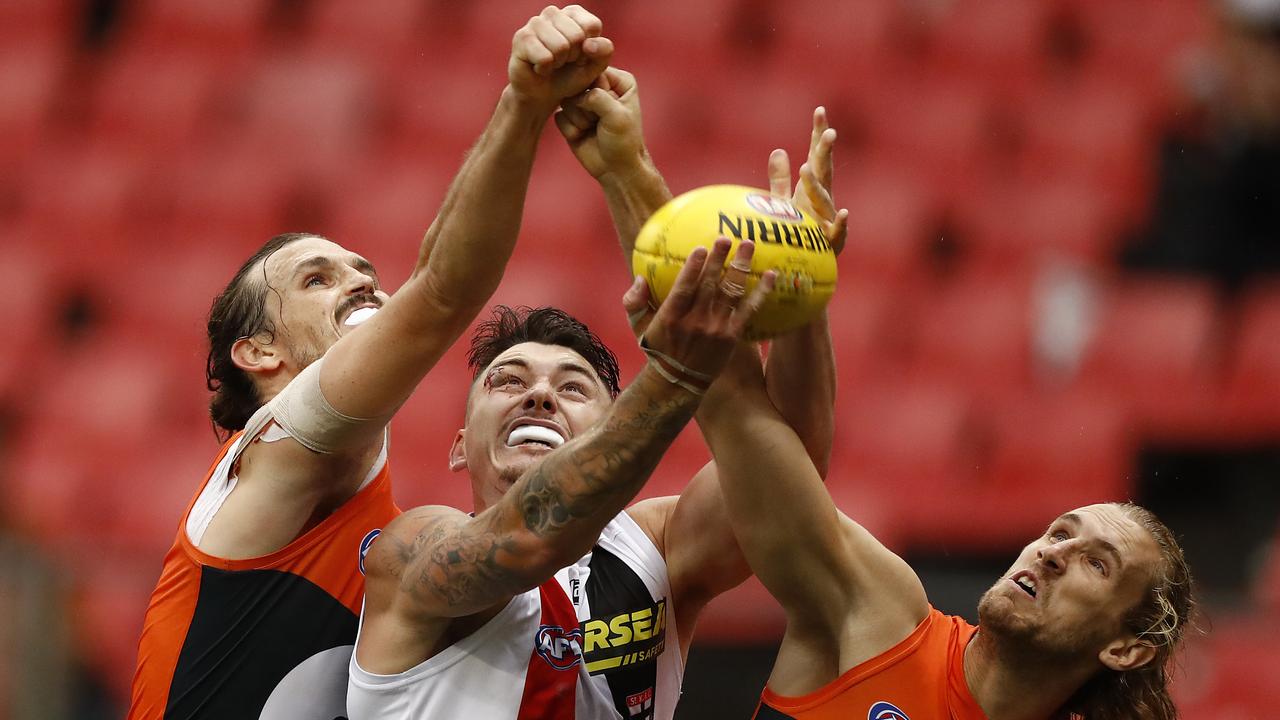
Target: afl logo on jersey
562	650
774	207
886	711
365	543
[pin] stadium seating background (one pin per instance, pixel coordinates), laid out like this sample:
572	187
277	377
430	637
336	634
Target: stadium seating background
996	365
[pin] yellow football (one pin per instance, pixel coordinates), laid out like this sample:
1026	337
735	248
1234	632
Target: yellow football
787	240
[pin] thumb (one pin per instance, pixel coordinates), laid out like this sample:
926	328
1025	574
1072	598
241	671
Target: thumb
597	52
636	303
603	104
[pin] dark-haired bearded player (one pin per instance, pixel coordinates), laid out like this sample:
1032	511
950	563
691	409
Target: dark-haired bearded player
552	602
255	612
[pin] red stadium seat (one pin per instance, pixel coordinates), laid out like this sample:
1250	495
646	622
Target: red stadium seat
1232	672
155	101
85	199
231	29
913	442
1018	223
383	211
870	326
937	128
1153	348
382	30
1049	454
1001	44
110	600
1096	132
1253	378
891	217
662	28
438	114
232	194
310	116
48	22
30	75
976	334
1147	60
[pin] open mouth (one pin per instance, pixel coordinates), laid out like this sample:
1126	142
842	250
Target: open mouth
359	315
535	436
1026	581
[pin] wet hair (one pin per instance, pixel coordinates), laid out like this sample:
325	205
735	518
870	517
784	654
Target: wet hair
1159	619
508	327
239	311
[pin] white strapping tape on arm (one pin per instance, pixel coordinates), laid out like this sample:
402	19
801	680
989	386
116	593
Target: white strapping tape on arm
303	412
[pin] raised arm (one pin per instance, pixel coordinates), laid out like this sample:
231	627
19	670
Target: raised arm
463	255
800	371
603	129
838	585
435	564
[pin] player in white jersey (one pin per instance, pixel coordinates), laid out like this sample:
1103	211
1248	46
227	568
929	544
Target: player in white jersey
552	602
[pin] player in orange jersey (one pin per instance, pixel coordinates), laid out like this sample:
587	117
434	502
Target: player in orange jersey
1083	624
256	608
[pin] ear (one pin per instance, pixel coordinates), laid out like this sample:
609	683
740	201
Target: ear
1127	653
458	453
253	356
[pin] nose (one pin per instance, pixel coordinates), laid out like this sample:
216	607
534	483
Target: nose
360	283
1053	557
540	397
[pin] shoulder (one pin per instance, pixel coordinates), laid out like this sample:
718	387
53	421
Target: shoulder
405	534
652	516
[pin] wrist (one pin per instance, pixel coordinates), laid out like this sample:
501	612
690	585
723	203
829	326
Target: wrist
532	110
636	171
658	383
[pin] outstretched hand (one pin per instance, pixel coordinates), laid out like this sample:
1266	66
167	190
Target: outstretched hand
812	193
556	55
602	125
694	331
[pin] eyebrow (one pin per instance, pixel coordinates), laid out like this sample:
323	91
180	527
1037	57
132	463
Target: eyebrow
565	366
1106	545
320	262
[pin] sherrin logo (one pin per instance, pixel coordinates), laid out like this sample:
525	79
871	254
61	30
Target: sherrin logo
774	207
886	711
562	650
365	543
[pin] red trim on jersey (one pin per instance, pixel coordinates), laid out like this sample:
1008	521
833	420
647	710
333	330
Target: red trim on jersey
550	690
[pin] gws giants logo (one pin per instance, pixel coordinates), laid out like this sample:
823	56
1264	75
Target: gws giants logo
562	650
774	207
886	711
364	546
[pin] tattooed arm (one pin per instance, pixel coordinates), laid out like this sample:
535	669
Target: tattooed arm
434	567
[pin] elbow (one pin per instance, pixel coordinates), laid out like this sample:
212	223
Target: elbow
542	557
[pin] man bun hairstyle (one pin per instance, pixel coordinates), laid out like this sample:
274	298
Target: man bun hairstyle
508	327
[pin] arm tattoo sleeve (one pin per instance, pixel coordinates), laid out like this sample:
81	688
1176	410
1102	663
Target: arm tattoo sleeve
553	513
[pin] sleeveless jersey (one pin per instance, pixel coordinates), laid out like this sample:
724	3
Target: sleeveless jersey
267	637
596	642
920	678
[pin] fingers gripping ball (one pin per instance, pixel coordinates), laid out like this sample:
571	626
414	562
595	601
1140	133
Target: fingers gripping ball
786	240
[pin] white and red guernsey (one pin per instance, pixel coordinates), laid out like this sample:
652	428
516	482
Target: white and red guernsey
596	642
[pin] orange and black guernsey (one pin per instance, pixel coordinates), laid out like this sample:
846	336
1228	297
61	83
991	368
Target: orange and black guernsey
920	678
267	637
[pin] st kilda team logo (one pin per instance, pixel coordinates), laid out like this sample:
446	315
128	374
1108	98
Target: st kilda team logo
886	711
562	650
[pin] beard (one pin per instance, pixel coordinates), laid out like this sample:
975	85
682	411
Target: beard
1032	635
304	353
